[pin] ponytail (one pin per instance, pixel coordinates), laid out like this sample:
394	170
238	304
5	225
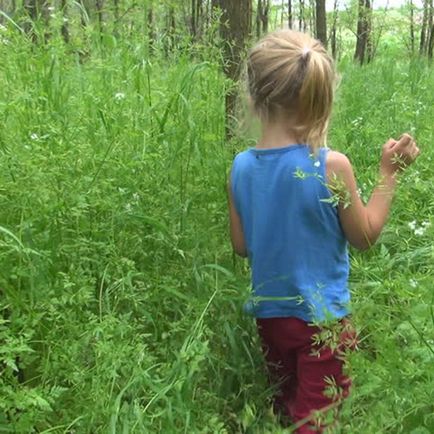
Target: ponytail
291	72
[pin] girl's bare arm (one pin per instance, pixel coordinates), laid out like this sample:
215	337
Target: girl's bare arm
362	224
237	235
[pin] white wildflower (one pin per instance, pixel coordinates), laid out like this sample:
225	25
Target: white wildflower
419	231
412	225
119	96
128	208
317	164
413	283
51	8
34	136
426	224
136	197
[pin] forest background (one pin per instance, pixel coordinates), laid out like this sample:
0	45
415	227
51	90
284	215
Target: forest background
121	301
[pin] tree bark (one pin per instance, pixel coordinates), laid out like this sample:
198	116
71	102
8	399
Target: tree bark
423	30
363	31
64	29
431	31
321	23
301	17
333	31
235	28
258	19
193	18
99	4
290	14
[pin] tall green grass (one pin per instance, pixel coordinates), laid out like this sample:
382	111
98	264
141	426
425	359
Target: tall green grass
121	301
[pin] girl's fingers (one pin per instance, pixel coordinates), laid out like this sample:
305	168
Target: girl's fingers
390	143
405	141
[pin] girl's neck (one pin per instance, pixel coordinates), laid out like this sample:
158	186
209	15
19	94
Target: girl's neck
276	134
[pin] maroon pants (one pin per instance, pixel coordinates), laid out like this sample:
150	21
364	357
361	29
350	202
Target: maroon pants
306	363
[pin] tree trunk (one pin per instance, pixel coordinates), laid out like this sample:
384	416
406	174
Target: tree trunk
290	14
411	7
262	17
235	28
363	31
193	18
150	24
321	23
369	41
431	30
258	19
334	30
171	28
99	4
64	29
301	17
265	14
116	11
423	30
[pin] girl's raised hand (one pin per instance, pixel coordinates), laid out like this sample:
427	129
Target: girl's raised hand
397	155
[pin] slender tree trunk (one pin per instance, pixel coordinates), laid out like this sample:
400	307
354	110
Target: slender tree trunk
364	40
423	30
369	40
258	19
411	5
290	14
262	17
116	10
333	31
431	31
199	17
301	17
193	18
312	16
150	24
64	29
321	23
235	28
265	15
99	4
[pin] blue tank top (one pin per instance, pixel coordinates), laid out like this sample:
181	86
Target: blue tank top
295	244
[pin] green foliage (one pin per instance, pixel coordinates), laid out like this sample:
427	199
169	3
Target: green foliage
121	302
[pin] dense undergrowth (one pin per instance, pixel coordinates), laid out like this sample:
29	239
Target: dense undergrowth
121	301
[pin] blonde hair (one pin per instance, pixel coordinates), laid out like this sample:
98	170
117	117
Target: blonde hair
290	73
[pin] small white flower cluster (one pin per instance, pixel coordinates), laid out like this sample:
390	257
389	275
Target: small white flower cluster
357	122
119	96
135	200
3	40
413	283
34	136
421	229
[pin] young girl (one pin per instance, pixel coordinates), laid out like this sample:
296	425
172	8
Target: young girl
293	207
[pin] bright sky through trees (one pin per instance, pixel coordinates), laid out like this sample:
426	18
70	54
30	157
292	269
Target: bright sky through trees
377	3
380	3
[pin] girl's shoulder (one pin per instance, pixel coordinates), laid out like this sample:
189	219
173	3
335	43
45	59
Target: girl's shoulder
338	163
